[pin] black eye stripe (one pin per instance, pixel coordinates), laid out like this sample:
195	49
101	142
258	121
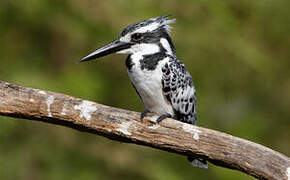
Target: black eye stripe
137	36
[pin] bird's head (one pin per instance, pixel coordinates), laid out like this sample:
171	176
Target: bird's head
146	37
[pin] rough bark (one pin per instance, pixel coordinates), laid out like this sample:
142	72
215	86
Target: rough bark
122	125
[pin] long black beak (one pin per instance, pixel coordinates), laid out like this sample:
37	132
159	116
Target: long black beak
110	48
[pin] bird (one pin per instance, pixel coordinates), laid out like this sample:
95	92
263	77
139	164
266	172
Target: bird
160	79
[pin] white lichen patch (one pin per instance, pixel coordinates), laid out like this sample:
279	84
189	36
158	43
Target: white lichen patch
63	111
192	129
41	92
49	101
86	108
124	128
288	173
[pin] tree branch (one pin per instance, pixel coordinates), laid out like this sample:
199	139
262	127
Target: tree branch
122	125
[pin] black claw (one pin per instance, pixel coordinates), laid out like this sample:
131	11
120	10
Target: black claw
143	114
162	117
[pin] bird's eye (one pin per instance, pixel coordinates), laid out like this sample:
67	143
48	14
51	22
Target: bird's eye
136	37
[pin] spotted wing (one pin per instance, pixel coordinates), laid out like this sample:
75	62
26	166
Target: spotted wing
179	90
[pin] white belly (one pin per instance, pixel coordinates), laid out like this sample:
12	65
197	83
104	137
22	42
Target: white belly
149	86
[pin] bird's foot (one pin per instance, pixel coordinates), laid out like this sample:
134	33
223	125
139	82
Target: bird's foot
162	117
144	113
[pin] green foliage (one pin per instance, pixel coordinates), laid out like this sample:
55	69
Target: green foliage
237	52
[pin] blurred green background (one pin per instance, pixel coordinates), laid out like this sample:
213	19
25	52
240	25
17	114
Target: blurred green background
238	53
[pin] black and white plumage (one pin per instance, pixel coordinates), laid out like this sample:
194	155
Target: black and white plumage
179	90
161	80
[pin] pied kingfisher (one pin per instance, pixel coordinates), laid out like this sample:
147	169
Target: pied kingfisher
160	79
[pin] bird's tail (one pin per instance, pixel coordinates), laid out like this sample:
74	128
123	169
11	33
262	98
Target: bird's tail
197	162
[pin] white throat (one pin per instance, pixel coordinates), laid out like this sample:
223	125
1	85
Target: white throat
141	49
